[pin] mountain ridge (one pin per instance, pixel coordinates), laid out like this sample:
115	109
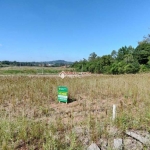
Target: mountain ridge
58	62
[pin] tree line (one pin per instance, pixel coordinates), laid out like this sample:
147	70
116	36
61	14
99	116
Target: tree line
126	60
58	63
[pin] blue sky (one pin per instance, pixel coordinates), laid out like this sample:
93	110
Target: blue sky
45	30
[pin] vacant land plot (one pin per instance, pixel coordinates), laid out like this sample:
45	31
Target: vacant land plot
32	118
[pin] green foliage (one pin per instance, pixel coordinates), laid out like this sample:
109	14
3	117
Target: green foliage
130	68
98	68
121	53
114	68
92	56
125	60
114	54
143	68
142	52
92	68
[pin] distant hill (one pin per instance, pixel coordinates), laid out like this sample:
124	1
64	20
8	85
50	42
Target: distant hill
58	62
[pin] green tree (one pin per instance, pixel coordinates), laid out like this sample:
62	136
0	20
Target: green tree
142	52
121	53
98	68
132	67
114	54
92	56
106	60
124	51
92	68
128	58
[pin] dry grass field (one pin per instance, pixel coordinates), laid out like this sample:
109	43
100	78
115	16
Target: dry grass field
32	119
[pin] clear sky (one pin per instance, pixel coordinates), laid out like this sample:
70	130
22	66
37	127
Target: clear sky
45	30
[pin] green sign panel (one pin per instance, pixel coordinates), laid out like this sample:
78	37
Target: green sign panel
62	94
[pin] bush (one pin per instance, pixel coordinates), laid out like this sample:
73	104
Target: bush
132	68
143	68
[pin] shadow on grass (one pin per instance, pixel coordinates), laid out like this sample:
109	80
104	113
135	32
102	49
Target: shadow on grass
70	100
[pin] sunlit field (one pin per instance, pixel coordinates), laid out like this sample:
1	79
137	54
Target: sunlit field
23	70
32	118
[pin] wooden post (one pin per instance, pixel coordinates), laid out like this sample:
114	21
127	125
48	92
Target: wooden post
114	111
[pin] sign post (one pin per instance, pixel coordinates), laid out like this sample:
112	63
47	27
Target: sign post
62	94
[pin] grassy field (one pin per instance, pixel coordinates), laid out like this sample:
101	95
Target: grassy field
31	70
32	118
